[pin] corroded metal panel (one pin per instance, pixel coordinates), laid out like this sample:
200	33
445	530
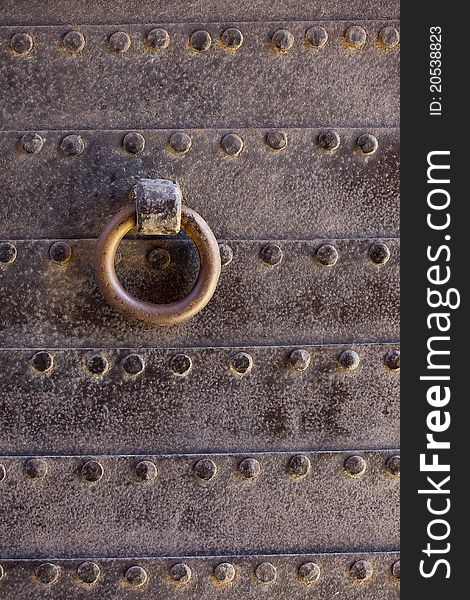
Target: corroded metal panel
128	11
188	77
296	576
300	292
298	191
200	504
193	400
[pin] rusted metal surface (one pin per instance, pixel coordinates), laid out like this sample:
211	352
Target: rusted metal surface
157	314
296	576
177	80
158	206
199	504
301	191
208	459
126	11
194	400
287	292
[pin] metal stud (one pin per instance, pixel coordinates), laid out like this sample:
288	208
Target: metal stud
316	36
205	469
367	143
181	364
327	255
271	254
47	573
8	253
232	38
21	43
349	360
328	139
181	573
361	570
36	468
309	572
146	471
277	140
200	41
97	364
31	143
60	252
73	42
249	468
158	39
299	359
119	42
42	362
396	569
159	259
92	471
133	142
226	254
299	466
282	40
88	572
3	472
180	142
136	576
393	465
72	145
388	37
379	254
392	360
224	573
133	364
241	363
354	466
266	572
232	144
355	37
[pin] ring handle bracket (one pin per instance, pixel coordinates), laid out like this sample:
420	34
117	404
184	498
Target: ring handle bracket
158	206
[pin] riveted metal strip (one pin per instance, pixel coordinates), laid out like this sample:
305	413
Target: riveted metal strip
243	503
298	191
285	293
45	11
193	400
297	576
190	75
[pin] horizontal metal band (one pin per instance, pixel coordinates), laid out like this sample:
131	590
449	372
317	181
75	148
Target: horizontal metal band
199	504
124	11
268	294
300	191
195	400
293	576
173	79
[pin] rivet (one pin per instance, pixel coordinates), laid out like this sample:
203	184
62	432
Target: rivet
159	259
224	572
133	364
32	143
282	40
309	572
181	573
205	469
241	363
379	253
2	572
277	140
42	362
88	572
200	40
97	364
392	360
60	252
349	360
146	471
133	142
92	471
226	254
47	573
327	255
232	144
271	254
158	39
393	465
3	472
328	140
136	576
266	572
232	38
367	143
354	465
36	468
249	468
316	36
72	145
73	41
299	465
119	42
355	37
361	570
8	252
21	43
389	37
180	142
181	364
300	359
396	569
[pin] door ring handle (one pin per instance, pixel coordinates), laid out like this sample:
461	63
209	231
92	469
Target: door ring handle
157	314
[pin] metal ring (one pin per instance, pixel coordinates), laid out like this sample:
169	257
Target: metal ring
158	314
